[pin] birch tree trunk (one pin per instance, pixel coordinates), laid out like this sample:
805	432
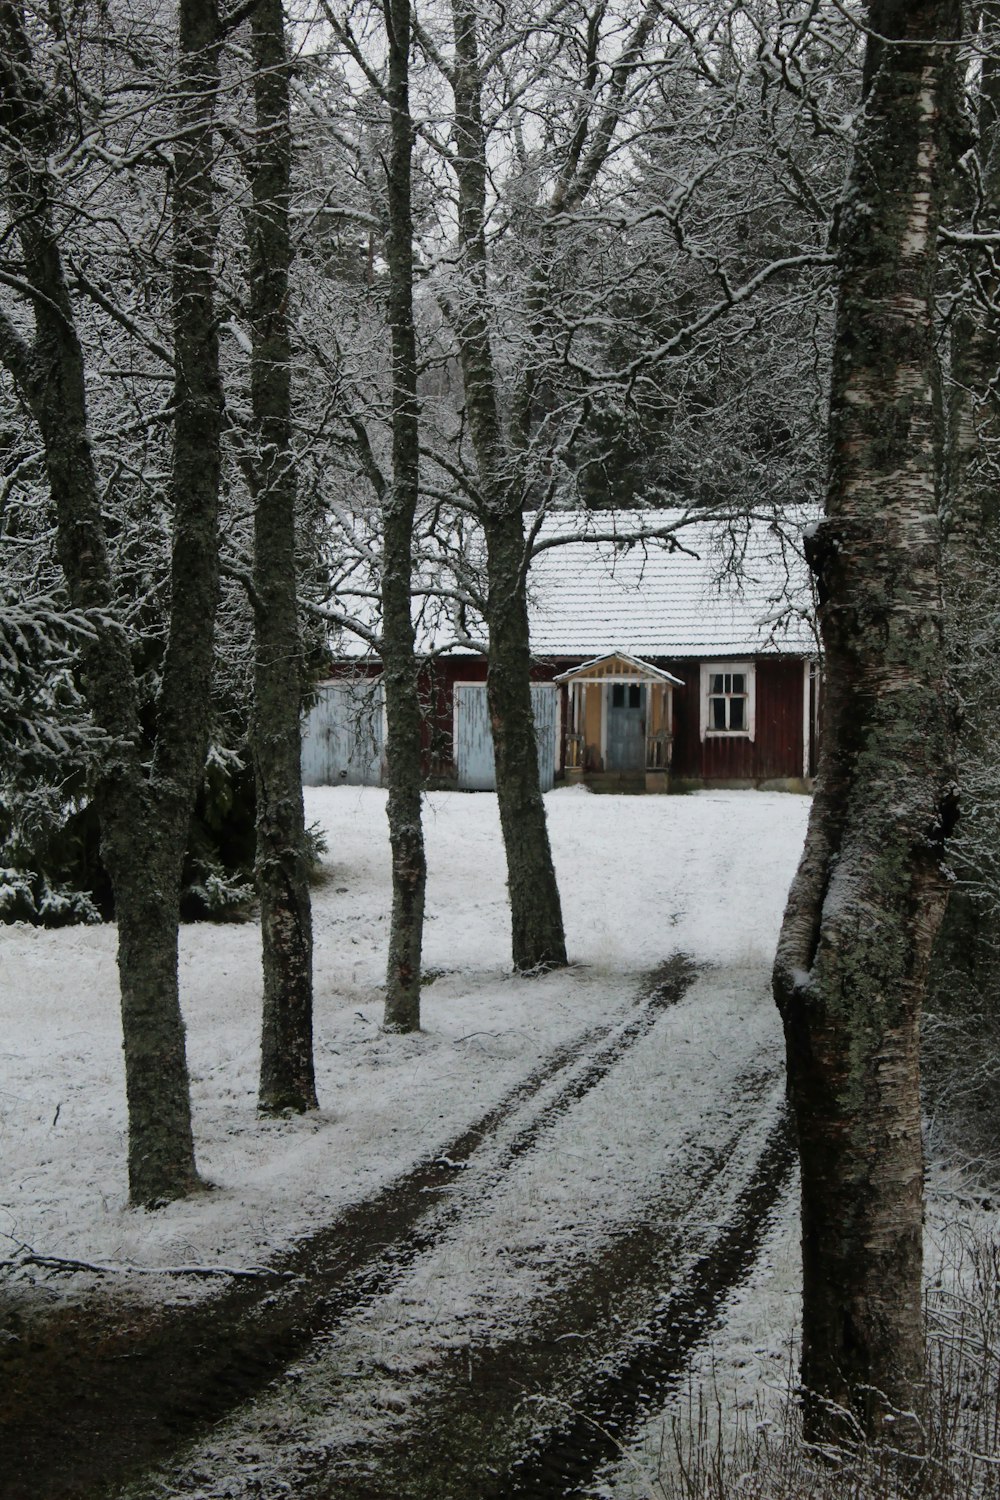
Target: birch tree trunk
852	961
145	816
966	963
399	503
537	936
287	1078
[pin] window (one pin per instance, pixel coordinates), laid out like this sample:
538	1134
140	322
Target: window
727	698
626	695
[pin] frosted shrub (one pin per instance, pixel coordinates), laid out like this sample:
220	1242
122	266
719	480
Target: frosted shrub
766	1459
27	896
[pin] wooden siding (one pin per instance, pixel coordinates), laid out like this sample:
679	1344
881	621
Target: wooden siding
776	749
592	728
775	753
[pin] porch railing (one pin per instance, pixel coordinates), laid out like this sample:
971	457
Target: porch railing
575	751
659	751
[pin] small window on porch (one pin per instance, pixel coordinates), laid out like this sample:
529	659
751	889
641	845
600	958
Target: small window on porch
626	695
727	698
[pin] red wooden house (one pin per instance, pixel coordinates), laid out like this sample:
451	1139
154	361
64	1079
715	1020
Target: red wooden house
652	668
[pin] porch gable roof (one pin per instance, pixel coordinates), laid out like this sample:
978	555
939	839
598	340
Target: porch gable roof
618	666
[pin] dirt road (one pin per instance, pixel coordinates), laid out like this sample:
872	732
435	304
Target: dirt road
94	1405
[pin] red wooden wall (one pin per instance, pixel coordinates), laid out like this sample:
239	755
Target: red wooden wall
775	752
776	749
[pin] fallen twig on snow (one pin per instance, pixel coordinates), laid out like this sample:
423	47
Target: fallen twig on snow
29	1257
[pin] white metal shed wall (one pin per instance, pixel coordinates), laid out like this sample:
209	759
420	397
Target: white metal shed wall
343	735
474	761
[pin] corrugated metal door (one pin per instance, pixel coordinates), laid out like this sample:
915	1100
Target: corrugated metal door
342	736
474	742
545	702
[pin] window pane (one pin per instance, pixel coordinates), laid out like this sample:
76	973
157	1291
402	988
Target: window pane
717	712
716	682
737	713
634	695
739	682
618	695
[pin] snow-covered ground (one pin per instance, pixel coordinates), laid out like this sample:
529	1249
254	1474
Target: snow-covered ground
664	1131
739	1379
641	877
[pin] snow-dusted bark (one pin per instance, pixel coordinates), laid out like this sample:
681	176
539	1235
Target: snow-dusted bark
967	951
145	811
287	1078
536	916
851	967
399	503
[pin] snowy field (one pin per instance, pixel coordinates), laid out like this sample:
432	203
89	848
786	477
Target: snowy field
641	878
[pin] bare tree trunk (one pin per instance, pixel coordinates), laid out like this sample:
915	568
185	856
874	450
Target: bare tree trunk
971	500
159	1123
972	491
287	1077
851	968
145	871
537	935
144	817
399	503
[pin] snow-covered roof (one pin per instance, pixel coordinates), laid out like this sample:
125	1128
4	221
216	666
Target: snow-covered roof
734	590
610	581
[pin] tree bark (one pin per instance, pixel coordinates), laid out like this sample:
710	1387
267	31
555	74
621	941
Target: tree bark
537	935
851	967
144	816
399	503
287	1077
145	870
161	1153
971	502
966	970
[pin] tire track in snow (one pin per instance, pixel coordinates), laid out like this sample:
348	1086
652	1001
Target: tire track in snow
610	1344
597	1425
83	1405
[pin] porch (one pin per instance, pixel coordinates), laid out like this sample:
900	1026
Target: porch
619	722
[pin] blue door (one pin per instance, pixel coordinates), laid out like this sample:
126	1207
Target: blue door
342	740
626	707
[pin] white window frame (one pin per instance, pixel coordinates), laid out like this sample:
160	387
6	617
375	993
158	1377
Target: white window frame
710	669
